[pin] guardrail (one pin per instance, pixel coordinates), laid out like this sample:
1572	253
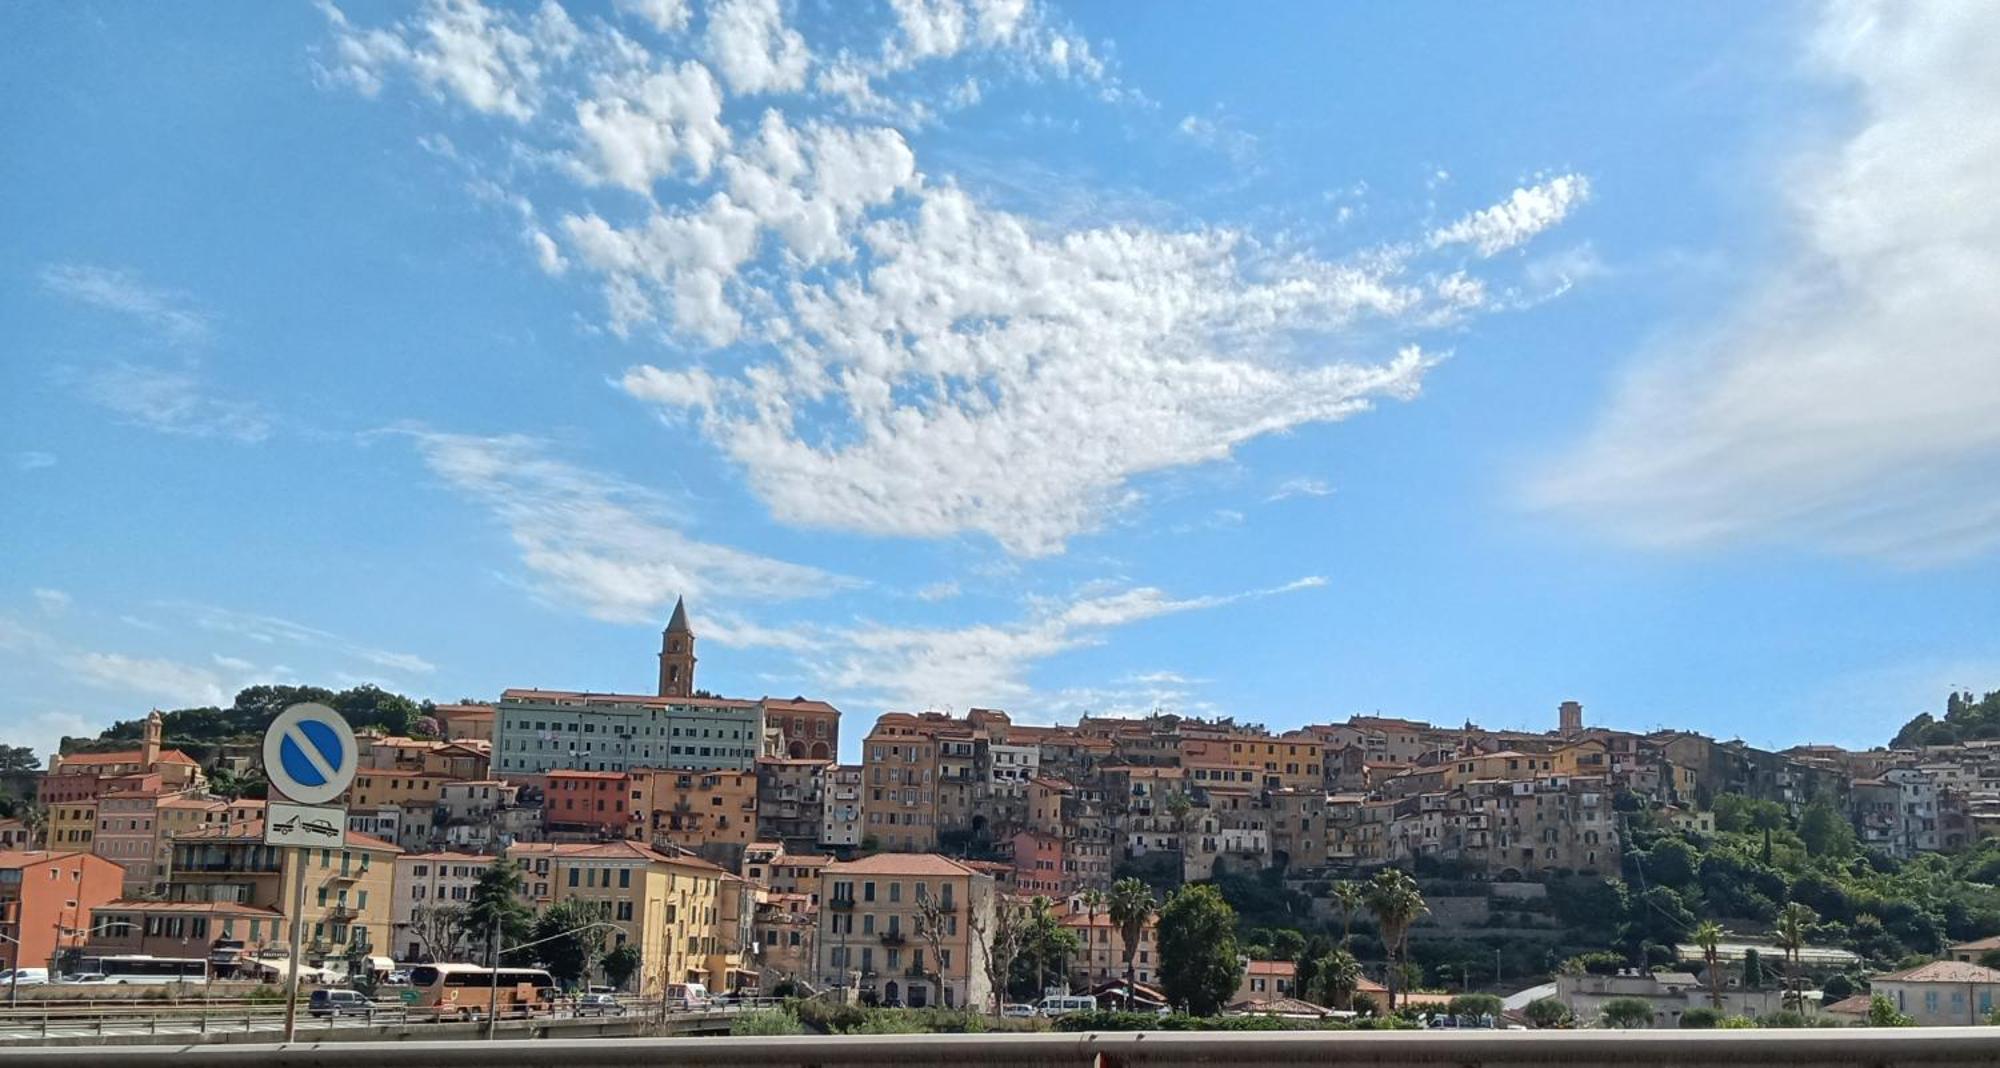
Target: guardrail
1876	1048
39	1024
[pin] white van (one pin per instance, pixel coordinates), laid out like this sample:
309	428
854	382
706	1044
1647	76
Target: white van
24	976
1054	1006
693	995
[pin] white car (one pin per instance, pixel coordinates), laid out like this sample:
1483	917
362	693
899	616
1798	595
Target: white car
1017	1011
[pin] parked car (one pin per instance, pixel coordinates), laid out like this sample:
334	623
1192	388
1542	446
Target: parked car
327	1001
87	977
599	1005
399	977
1017	1011
1064	1004
24	975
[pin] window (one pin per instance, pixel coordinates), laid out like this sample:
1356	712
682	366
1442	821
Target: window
575	876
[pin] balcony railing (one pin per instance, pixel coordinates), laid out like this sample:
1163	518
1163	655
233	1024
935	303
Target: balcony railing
840	904
892	938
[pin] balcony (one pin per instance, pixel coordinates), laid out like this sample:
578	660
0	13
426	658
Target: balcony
840	904
917	971
892	938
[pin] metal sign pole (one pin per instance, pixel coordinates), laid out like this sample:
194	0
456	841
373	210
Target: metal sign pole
298	922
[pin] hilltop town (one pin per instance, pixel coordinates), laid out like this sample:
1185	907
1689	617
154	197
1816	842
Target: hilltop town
731	848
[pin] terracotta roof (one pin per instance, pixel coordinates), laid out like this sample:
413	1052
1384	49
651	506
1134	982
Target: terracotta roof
619	849
644	699
253	831
798	705
1978	945
22	858
560	773
447	855
229	908
1279	1007
1857	1005
1281	968
1943	971
125	756
900	864
1050	783
794	760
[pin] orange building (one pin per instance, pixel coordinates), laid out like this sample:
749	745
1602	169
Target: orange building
588	802
713	813
45	902
810	729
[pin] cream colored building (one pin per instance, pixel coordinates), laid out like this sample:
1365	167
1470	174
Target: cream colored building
870	938
348	889
670	906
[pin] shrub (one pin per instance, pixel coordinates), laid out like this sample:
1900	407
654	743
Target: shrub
1837	987
1546	1012
1365	1004
1736	1023
1628	1012
767	1022
889	1022
828	1018
1883	1013
1475	1005
1781	1018
1700	1019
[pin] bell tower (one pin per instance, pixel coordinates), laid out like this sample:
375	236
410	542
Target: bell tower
677	654
149	750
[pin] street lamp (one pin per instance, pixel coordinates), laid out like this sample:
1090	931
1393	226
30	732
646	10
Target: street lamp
493	988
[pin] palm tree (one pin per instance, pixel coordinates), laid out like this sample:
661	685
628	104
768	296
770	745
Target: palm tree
1708	935
1790	935
1350	896
1339	976
1396	902
1131	904
1178	806
1093	903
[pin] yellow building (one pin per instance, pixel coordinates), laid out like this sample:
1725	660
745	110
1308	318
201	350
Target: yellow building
669	906
72	824
1507	765
711	812
349	890
1293	760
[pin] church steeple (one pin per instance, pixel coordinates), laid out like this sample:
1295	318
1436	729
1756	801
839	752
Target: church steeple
677	654
149	748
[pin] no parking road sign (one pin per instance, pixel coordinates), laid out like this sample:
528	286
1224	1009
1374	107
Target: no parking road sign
309	754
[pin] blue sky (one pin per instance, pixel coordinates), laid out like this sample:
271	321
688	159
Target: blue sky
1282	361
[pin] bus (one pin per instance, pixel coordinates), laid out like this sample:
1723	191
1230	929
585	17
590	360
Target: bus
462	991
139	968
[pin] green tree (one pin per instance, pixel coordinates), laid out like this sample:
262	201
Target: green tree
1475	1005
1045	942
1093	903
494	912
1701	1019
1131	905
1546	1013
1199	964
621	964
1766	817
569	944
1883	1013
1351	898
1397	903
18	758
1753	970
1337	975
1825	831
1627	1013
1708	934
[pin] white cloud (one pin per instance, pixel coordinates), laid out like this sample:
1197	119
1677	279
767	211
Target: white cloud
172	402
1851	403
43	731
939	591
1220	135
170	315
34	460
272	630
981	664
491	61
984	376
1300	487
601	544
756	52
1516	220
154	677
233	663
52	602
645	124
666	16
881	351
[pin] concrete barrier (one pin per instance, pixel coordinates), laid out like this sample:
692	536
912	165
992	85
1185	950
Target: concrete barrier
1883	1048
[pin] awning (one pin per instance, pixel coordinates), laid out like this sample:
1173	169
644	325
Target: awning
382	964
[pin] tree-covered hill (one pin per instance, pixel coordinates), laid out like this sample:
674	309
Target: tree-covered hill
1965	719
200	731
